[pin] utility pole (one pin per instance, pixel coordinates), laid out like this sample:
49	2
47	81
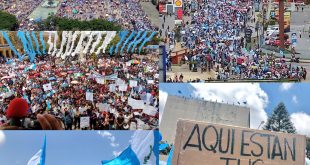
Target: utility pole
281	23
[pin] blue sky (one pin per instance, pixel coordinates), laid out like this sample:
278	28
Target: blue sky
63	147
261	98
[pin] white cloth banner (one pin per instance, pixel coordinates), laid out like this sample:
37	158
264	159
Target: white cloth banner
84	122
136	104
35	160
47	87
90	96
133	83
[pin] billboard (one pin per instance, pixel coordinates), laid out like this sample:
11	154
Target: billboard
287	19
199	143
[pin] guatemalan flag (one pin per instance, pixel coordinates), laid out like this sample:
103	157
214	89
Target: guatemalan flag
39	157
144	149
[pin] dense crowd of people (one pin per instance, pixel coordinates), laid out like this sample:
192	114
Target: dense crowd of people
215	36
127	13
22	10
105	94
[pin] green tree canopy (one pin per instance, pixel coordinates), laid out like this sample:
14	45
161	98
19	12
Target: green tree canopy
61	24
280	121
8	21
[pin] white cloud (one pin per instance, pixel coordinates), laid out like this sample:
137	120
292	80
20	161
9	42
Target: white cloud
116	153
107	134
253	94
295	99
2	137
301	122
162	102
286	86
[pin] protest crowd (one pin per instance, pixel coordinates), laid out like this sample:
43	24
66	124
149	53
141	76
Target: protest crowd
22	10
103	94
127	13
216	40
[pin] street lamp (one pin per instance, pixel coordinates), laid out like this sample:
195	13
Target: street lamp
262	122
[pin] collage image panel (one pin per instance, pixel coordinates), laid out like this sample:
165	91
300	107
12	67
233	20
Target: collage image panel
79	147
79	80
218	40
234	123
59	15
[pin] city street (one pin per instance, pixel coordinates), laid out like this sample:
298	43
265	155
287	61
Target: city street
300	23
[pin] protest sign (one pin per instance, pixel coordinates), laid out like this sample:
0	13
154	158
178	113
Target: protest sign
123	87
150	81
103	107
119	81
112	87
136	104
133	83
199	143
84	122
89	96
47	87
100	80
149	110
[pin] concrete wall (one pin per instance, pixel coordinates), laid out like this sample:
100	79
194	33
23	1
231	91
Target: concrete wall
178	107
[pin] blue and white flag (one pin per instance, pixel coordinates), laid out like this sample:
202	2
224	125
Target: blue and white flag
144	149
39	157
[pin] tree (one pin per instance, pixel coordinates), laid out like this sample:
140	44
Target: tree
280	121
8	21
50	2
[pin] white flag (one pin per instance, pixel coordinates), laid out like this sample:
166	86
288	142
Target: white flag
47	87
35	160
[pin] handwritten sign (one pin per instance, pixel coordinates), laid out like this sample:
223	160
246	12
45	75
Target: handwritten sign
199	143
84	122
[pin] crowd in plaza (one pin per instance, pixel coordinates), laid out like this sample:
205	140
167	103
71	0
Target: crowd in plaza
22	10
107	94
127	13
215	36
